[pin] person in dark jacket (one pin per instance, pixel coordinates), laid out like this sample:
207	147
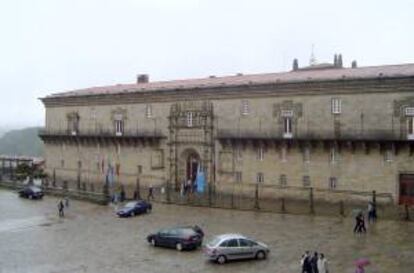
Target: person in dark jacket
60	209
306	263
314	263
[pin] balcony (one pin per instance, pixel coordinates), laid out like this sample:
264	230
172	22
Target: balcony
131	136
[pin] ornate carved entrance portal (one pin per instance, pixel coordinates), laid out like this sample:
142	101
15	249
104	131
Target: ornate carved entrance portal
191	141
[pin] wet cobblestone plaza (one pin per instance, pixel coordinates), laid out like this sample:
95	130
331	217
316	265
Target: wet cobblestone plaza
92	239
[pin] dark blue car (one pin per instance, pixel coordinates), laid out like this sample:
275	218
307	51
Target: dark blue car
31	192
134	208
180	238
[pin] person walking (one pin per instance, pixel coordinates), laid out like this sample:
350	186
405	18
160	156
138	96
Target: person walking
135	195
150	193
361	227
61	208
322	264
314	262
67	202
122	195
370	212
306	263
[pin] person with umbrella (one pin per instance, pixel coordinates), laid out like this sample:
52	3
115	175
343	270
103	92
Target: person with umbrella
360	265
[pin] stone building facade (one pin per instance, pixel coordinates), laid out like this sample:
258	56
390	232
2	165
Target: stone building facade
324	126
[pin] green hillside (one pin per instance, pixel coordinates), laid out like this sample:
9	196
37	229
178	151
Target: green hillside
22	142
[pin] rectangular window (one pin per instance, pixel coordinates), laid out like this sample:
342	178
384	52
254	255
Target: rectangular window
260	178
283	180
260	154
287	127
62	163
79	164
336	106
388	155
245	108
148	111
333	155
238	153
119	127
332	182
139	168
283	153
238	177
189	119
306	155
410	128
306	181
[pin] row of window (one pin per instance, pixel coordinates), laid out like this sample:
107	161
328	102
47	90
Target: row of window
332	181
333	155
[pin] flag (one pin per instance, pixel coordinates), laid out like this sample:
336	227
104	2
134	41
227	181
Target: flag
200	180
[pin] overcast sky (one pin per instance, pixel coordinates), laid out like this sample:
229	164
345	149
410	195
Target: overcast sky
49	46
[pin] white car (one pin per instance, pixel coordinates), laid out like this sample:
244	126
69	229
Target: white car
227	247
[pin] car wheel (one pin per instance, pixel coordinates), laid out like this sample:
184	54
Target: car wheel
260	255
30	196
221	259
132	213
153	243
179	246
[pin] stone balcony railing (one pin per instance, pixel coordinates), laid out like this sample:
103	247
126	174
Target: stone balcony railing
316	135
101	134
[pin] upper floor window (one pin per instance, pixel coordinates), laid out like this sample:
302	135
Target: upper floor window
283	180
336	106
148	111
73	123
409	113
287	116
119	124
245	108
333	155
260	154
306	155
260	178
238	153
332	182
238	177
189	119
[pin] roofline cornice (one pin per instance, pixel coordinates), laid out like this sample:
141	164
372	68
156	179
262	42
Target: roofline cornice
308	88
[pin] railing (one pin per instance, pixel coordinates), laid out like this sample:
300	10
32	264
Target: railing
372	134
102	133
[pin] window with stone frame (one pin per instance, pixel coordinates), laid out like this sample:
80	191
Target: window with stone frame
388	155
336	107
148	111
238	177
245	108
409	114
333	155
287	116
306	181
283	153
119	124
189	119
306	155
332	182
260	153
260	178
238	155
283	180
73	123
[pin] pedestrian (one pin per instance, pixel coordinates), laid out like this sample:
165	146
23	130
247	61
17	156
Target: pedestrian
60	209
189	189
305	262
150	193
370	212
322	264
359	269
358	223
122	195
314	262
67	202
362	223
135	195
182	189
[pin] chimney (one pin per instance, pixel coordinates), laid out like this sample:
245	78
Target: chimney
354	64
142	78
339	63
335	60
295	65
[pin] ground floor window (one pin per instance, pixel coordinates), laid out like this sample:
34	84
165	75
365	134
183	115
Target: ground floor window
306	181
260	178
332	182
283	180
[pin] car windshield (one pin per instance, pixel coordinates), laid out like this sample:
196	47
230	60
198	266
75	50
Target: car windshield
130	204
215	241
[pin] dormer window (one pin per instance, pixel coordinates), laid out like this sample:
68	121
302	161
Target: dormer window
336	106
148	111
287	116
245	109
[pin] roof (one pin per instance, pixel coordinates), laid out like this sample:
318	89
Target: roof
312	75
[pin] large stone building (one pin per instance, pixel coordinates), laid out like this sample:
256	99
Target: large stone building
331	128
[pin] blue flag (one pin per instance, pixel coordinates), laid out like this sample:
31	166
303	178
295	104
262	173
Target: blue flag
200	180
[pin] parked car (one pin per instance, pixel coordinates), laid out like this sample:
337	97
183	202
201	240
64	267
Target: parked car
134	208
180	238
31	192
227	247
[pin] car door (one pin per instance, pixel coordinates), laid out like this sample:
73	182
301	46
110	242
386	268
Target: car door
246	249
232	249
163	237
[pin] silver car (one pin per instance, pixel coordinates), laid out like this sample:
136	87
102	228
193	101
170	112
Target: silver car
227	247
